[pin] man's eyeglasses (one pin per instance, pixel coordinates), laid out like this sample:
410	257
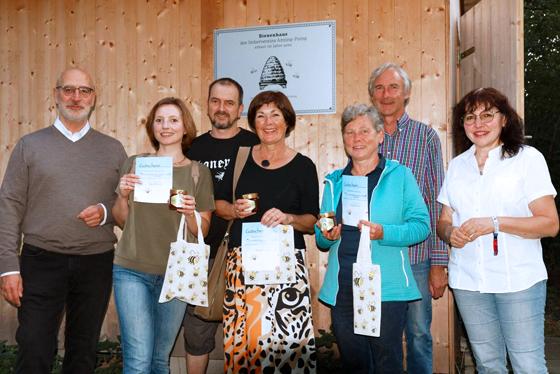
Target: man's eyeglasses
83	91
485	117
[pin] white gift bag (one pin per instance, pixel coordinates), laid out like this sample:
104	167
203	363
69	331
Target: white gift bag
186	275
366	289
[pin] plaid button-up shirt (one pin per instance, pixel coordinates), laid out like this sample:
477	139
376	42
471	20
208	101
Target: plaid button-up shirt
417	146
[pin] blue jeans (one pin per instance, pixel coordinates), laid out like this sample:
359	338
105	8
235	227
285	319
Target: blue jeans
419	320
362	354
148	328
510	322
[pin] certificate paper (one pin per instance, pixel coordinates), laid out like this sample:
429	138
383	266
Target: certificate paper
354	199
268	255
156	175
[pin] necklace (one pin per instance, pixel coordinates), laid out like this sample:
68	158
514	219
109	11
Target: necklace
180	161
265	163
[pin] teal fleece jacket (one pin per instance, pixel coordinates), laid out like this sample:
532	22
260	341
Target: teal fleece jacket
397	204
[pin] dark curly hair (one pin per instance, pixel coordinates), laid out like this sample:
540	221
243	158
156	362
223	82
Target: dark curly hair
280	100
188	122
512	134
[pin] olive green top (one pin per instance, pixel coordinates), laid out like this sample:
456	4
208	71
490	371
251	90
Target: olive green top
151	228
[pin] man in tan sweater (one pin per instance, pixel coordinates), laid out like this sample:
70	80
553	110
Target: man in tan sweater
58	191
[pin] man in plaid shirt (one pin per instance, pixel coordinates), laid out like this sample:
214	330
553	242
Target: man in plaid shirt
417	146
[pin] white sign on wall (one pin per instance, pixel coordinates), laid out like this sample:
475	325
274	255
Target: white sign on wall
297	59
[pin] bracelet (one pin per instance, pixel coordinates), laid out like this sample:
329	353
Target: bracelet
496	224
495	234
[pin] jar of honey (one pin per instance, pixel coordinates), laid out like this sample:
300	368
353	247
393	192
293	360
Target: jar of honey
253	199
327	221
176	199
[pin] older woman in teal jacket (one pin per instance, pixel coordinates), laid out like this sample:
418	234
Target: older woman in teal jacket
398	217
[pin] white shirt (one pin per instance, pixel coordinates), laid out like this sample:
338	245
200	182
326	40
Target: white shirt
505	188
73	136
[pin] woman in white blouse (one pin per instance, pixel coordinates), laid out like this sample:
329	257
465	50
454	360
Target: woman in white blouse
498	201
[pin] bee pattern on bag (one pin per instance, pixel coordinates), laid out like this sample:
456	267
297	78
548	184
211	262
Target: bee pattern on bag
362	295
191	285
196	272
252	275
359	310
180	273
371	275
285	229
358	281
203	283
357	278
372	308
193	260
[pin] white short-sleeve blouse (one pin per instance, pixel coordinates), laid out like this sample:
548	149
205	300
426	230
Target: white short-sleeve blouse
505	188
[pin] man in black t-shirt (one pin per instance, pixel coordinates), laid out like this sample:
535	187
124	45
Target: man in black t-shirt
217	149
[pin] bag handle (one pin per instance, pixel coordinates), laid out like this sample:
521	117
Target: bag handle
240	161
364	248
183	229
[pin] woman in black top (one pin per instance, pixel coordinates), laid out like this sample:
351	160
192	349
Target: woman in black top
270	325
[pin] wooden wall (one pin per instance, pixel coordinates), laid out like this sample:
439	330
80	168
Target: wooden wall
141	51
497	58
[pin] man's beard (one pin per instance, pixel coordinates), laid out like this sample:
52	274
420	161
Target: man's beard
222	125
70	115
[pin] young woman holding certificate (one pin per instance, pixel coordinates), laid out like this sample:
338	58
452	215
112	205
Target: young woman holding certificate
377	196
267	320
149	328
498	201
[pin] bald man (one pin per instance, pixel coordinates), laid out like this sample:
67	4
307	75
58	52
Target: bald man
58	191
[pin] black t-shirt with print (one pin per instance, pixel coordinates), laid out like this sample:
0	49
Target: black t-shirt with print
219	156
292	188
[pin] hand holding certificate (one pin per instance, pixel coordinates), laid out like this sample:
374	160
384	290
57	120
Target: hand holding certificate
156	174
354	200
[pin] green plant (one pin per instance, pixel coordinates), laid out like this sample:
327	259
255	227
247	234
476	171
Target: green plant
109	358
328	357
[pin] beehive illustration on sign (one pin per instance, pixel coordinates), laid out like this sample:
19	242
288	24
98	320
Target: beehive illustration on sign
272	73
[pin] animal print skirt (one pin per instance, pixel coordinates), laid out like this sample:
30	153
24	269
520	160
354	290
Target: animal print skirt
267	328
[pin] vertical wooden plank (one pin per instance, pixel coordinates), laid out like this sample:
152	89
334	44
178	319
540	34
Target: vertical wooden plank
466	83
191	88
9	130
517	46
433	82
408	41
355	54
331	153
487	67
123	125
382	26
105	60
212	18
235	15
146	69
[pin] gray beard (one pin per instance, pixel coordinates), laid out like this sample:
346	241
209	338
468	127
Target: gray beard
223	126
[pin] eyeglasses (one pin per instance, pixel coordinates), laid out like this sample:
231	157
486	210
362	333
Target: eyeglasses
485	117
83	91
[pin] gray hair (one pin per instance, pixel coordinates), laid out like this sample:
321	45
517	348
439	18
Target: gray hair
352	112
382	69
